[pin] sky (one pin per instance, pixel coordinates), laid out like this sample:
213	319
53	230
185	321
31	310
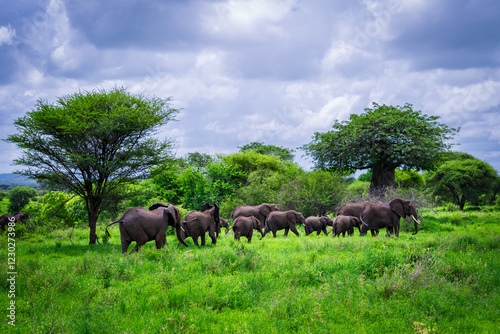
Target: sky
272	71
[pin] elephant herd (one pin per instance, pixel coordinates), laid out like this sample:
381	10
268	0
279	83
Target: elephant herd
141	225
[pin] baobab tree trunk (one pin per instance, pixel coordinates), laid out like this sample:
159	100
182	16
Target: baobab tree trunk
382	179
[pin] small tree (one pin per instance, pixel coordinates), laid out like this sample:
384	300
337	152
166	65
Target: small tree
19	197
91	143
382	139
276	151
462	180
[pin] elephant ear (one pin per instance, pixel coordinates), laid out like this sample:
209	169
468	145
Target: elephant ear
323	220
397	206
216	213
264	209
170	215
355	221
292	216
157	205
206	207
175	212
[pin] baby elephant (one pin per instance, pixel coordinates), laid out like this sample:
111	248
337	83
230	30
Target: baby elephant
343	224
244	226
317	224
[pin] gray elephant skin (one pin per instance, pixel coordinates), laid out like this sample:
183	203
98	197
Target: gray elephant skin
258	211
223	223
279	220
343	224
17	217
244	226
319	224
387	215
196	223
355	209
141	225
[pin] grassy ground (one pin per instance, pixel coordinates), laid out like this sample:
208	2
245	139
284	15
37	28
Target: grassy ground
445	279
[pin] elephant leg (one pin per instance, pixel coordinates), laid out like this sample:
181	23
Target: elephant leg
294	230
125	244
214	239
237	235
203	239
274	233
319	232
141	239
324	231
249	236
161	238
138	245
396	230
286	231
195	240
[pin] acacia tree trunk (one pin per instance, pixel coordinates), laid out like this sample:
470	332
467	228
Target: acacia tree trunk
382	179
93	208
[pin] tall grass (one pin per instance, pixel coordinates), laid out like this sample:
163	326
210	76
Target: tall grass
444	279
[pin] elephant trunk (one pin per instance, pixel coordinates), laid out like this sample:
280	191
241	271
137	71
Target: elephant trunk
416	224
178	232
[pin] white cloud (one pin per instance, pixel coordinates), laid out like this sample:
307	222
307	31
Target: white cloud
7	35
248	17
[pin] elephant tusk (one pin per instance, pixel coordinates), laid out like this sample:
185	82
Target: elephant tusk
415	219
183	230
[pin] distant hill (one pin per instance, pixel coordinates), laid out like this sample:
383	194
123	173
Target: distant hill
14	180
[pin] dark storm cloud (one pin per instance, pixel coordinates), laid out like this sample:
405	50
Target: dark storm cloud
274	71
452	34
166	25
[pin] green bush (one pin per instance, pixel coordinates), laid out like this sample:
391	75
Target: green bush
19	197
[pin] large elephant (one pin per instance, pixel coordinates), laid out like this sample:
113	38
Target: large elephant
17	217
318	224
279	220
387	215
258	211
141	225
355	209
343	224
244	226
196	223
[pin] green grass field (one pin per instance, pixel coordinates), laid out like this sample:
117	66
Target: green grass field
445	279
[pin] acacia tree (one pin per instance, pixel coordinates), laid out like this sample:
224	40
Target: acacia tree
382	139
91	143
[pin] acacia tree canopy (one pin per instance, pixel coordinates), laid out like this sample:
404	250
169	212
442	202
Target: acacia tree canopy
90	143
381	139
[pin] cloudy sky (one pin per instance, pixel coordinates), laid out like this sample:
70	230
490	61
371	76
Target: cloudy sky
273	71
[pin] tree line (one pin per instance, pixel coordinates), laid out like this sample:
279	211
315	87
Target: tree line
96	151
